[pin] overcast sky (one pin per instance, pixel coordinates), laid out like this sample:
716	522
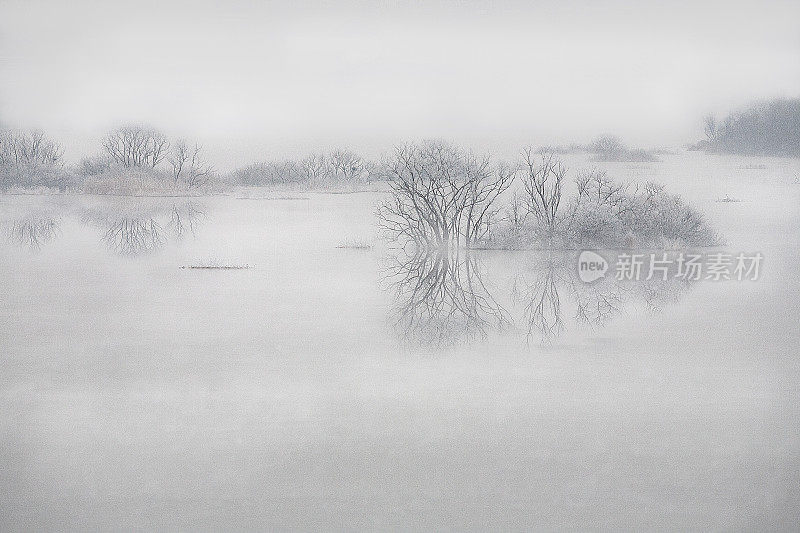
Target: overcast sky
254	80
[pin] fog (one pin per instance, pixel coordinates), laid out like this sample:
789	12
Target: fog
468	266
253	80
317	390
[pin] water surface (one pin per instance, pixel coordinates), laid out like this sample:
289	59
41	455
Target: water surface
317	389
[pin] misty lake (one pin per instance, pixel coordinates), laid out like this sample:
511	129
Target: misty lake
325	387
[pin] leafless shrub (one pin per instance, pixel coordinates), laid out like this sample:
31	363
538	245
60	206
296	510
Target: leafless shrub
572	148
601	213
607	213
132	166
608	145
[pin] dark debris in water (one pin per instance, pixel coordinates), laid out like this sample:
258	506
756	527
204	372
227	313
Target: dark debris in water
273	198
215	267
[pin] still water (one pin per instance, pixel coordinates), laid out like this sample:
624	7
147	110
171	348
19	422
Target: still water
329	387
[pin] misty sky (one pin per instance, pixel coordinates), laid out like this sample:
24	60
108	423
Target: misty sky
254	80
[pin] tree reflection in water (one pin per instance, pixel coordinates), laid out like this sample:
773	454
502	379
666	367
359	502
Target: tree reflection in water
139	228
185	218
444	297
134	236
542	304
33	230
441	297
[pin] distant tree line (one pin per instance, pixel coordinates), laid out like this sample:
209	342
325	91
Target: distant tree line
769	128
610	148
139	159
336	168
605	148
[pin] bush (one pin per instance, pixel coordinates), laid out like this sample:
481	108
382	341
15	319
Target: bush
142	181
269	173
92	166
603	214
606	214
130	181
612	149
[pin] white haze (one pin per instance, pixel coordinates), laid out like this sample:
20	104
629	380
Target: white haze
254	80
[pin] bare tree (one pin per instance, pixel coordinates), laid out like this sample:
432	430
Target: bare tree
31	159
543	182
346	166
136	146
188	165
515	211
29	148
179	159
441	196
315	167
